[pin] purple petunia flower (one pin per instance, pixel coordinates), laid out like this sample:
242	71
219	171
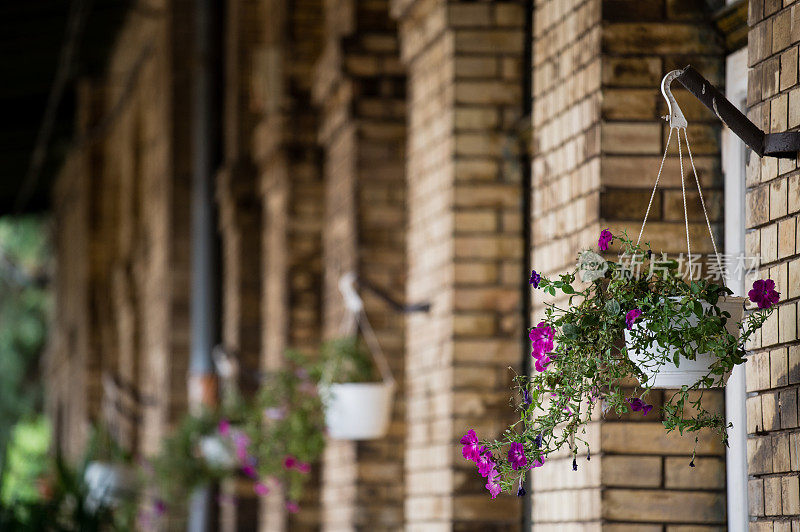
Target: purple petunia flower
541	339
763	293
574	464
261	489
516	456
605	240
631	317
471	449
637	405
303	467
535	279
289	462
224	427
159	507
486	464
538	462
526	397
537	441
292	507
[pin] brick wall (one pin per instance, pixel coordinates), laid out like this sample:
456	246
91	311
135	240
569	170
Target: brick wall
289	166
597	145
464	244
360	87
773	202
126	200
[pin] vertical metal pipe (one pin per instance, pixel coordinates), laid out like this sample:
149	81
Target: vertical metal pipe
203	305
527	230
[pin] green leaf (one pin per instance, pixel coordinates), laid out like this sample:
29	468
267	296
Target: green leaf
571	331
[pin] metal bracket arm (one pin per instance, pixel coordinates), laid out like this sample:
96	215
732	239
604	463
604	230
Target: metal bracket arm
784	145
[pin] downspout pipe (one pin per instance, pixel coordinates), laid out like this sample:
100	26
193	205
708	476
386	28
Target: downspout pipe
204	314
527	230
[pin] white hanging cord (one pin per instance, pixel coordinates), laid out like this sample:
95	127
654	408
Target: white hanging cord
653	194
705	212
355	317
685	212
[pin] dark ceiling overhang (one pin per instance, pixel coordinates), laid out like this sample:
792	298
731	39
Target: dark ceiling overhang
32	34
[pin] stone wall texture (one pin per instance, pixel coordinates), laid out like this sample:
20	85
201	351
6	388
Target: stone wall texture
387	138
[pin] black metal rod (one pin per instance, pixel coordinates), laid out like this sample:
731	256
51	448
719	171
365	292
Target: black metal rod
396	305
712	98
784	145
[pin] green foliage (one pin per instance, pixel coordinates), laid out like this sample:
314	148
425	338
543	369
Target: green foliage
24	309
291	423
590	360
26	461
40	494
346	360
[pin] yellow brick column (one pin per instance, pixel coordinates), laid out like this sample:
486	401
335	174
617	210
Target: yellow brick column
773	226
465	250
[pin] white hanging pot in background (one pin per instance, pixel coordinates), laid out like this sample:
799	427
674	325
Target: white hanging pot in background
216	452
107	483
359	410
668	375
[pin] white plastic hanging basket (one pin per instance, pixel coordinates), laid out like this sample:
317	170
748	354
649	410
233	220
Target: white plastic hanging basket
668	375
359	410
107	483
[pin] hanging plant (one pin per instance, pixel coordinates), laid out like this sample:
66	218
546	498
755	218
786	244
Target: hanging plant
618	325
287	434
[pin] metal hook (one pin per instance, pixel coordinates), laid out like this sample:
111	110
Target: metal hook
675	117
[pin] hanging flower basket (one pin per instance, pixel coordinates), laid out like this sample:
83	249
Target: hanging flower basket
359	410
358	406
639	318
659	362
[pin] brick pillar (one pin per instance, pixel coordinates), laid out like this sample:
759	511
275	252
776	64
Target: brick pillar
773	225
240	219
72	362
360	86
288	162
597	145
465	250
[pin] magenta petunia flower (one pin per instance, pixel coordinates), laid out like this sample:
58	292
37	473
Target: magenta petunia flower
303	467
292	507
289	462
224	427
493	485
605	240
535	279
542	363
516	456
631	317
249	470
541	339
486	464
538	462
261	489
471	449
763	293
